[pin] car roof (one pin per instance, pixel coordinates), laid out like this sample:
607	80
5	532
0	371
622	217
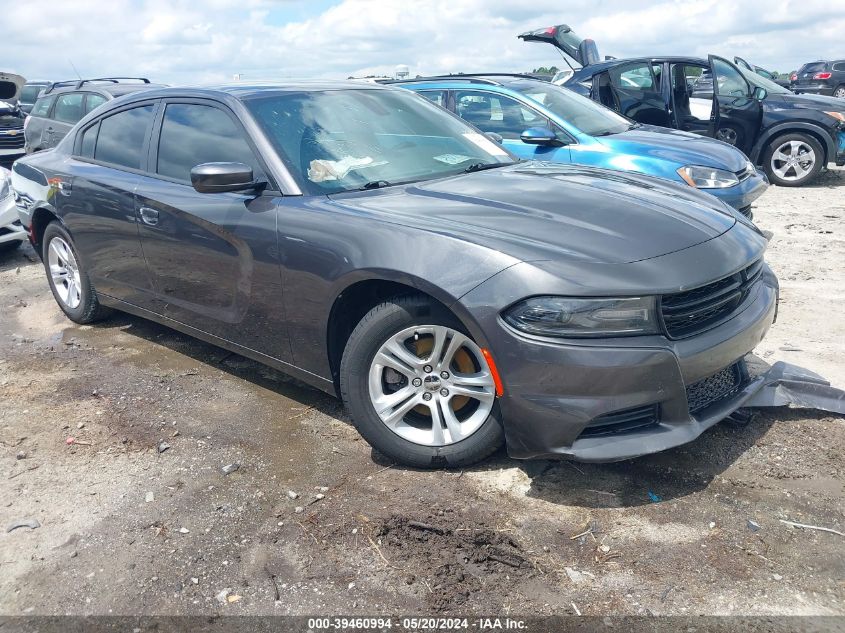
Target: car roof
496	79
244	91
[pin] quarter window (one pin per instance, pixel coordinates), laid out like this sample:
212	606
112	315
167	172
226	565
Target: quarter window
194	134
94	101
839	66
42	106
89	140
491	112
69	107
122	135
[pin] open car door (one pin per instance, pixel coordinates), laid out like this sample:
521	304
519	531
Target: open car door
562	37
737	110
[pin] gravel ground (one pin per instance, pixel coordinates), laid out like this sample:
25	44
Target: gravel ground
128	529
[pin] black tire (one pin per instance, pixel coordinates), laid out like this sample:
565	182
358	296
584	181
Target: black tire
839	91
730	135
380	323
778	142
89	308
8	247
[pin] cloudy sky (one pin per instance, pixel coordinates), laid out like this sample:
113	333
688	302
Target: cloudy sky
181	41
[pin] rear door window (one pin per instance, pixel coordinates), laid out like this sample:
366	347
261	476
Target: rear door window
123	136
435	96
69	107
192	134
493	112
42	106
632	76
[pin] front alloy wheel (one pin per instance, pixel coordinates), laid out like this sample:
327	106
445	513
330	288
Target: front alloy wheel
793	160
418	388
430	385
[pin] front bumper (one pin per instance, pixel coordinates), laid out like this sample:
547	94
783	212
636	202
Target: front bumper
10	226
742	195
555	391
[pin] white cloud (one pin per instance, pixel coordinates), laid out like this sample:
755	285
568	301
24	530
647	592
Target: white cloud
189	42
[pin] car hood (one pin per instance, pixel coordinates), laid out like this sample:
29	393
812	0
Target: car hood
10	87
677	146
814	102
537	210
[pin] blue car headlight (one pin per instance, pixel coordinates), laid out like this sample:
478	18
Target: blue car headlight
581	317
707	177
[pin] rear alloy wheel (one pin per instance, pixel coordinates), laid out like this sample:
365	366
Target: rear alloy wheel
418	387
839	92
793	160
68	280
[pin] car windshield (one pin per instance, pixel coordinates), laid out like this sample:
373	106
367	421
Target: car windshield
580	112
761	82
342	140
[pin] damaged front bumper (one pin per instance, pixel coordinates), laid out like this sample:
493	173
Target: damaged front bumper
602	402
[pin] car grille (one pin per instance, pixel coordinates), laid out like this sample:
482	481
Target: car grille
622	421
12	142
696	310
710	390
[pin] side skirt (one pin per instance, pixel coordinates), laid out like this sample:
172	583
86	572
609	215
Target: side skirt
323	384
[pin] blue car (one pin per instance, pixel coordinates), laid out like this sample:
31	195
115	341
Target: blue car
539	120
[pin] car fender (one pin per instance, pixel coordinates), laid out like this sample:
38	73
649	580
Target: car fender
794	126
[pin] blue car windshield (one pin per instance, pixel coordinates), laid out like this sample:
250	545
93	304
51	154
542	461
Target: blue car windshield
347	139
580	112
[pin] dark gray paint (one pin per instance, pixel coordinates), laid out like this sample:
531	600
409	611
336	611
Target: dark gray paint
259	274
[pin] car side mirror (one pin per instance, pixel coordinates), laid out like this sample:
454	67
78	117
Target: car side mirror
760	93
496	138
540	136
221	177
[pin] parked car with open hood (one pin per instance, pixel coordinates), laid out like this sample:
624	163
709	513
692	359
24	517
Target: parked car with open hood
11	117
793	137
63	103
539	120
379	248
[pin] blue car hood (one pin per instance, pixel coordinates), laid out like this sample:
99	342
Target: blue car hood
684	148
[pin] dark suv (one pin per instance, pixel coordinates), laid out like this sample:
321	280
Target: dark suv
64	103
820	78
791	136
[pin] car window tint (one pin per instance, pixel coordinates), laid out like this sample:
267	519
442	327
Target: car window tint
635	76
839	66
657	70
435	96
729	81
195	134
42	106
94	101
88	141
491	112
69	107
122	135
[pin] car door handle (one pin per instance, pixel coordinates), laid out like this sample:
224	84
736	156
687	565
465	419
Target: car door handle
149	216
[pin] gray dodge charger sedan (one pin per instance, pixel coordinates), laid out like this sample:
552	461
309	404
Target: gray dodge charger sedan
378	248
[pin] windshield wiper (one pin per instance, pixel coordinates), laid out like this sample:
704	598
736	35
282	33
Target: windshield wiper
483	166
374	184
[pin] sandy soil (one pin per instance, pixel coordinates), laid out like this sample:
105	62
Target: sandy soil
126	529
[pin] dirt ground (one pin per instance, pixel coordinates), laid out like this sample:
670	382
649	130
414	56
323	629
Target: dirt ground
126	529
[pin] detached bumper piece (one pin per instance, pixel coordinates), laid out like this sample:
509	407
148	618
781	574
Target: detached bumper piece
786	384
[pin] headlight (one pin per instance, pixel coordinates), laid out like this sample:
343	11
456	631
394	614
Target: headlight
839	116
564	316
707	177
